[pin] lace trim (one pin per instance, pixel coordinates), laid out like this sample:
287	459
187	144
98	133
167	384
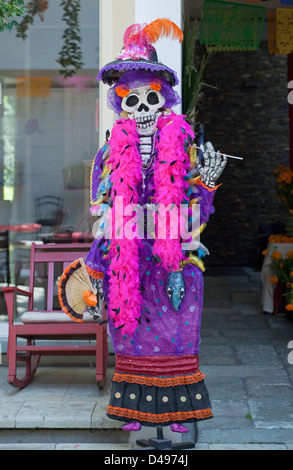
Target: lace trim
137	65
94	274
157	381
159	418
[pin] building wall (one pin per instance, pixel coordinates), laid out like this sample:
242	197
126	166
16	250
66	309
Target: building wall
247	116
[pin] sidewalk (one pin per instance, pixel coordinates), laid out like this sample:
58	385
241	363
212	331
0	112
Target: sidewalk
243	353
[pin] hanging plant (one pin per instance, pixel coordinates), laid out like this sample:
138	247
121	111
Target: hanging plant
34	7
70	56
10	9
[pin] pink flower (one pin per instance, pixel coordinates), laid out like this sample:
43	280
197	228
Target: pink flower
134	52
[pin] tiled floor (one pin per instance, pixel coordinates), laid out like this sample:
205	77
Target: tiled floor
243	353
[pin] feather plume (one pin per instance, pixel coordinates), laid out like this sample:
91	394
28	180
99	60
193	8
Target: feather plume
160	28
133	35
143	35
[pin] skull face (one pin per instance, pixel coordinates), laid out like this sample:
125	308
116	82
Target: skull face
144	105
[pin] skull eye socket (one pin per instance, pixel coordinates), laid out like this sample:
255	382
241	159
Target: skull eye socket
132	100
153	98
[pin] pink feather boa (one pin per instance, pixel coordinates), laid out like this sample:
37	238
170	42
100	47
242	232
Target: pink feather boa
124	295
170	169
125	298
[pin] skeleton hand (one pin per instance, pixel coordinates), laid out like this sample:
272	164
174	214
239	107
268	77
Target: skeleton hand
95	310
98	286
212	166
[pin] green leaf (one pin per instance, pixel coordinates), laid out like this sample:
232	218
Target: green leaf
70	56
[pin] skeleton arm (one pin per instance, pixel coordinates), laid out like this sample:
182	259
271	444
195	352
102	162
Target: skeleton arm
212	165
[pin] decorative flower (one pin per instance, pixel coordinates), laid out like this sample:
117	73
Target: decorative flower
280	239
122	91
276	255
134	52
284	186
155	86
282	270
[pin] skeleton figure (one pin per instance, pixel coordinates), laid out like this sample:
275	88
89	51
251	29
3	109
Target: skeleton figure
153	287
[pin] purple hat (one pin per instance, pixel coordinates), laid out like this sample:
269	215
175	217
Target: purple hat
139	54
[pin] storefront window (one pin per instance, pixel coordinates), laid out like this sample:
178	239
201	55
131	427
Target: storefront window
48	138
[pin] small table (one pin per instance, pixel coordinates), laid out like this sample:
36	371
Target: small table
266	272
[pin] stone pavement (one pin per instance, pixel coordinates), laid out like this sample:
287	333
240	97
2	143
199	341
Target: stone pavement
243	353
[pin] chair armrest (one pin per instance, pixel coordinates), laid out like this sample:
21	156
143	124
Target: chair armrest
16	290
9	295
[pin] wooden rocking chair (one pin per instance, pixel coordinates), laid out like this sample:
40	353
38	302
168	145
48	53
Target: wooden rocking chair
51	324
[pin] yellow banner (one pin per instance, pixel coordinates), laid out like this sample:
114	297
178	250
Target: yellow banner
33	87
280	31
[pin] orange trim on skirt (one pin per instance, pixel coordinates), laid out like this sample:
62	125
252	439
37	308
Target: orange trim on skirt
159	418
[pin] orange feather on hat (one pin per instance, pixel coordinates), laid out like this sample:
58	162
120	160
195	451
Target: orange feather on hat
146	34
160	28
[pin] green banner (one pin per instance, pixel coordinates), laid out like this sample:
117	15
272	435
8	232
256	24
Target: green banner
229	26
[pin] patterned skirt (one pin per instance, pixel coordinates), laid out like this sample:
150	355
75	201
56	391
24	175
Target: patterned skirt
158	390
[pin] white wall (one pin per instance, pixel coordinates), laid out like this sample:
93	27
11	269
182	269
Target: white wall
169	51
